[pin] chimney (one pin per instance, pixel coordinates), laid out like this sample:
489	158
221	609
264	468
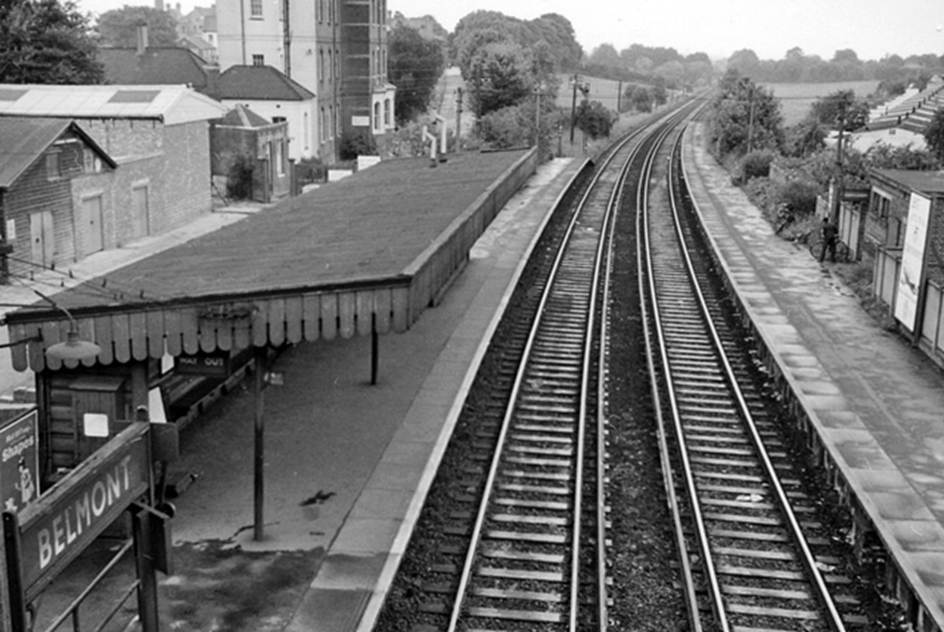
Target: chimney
142	38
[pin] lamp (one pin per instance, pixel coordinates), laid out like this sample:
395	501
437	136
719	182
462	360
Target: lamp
74	348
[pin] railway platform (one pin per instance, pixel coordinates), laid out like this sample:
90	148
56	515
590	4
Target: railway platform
870	405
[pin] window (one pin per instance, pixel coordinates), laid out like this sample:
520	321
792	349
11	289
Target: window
53	167
305	130
330	66
278	119
387	112
320	10
321	66
377	115
255	9
321	126
91	163
258	60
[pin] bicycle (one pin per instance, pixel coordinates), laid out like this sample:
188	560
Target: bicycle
814	243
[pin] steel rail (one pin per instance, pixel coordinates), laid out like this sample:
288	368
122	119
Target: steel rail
476	537
800	540
714	586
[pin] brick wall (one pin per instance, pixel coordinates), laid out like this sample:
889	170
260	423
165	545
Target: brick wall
186	174
122	138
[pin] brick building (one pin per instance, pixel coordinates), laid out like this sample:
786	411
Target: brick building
158	136
337	49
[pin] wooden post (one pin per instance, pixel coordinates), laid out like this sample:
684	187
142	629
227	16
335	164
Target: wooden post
259	362
374	349
147	588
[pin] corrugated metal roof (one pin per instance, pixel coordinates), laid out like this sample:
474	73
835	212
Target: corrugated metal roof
25	139
171	104
921	181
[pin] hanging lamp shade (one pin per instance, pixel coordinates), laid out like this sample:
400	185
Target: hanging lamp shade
73	348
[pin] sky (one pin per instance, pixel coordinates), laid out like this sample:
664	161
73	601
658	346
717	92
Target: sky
872	28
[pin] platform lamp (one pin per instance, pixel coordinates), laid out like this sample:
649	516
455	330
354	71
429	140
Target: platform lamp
74	348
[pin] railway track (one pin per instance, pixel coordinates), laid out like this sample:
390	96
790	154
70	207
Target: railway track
749	546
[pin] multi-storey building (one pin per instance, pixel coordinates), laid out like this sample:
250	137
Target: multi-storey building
337	49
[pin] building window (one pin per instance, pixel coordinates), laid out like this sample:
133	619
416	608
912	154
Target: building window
377	115
321	126
321	66
387	112
255	9
278	119
306	131
53	167
337	64
320	11
91	163
258	60
330	66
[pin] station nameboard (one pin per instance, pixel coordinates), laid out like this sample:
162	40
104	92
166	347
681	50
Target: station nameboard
207	364
53	530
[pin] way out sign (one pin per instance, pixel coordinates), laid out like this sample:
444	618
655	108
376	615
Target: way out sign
48	534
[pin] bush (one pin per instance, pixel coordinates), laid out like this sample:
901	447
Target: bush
754	165
310	170
239	178
506	128
594	119
354	144
800	197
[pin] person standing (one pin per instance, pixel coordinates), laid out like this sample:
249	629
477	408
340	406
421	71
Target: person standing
830	235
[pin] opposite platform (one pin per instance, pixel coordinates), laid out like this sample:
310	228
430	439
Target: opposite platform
874	404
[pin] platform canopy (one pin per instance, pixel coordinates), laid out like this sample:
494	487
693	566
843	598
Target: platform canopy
364	254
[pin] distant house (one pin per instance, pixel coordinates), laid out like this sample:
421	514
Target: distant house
157	135
275	97
243	140
44	165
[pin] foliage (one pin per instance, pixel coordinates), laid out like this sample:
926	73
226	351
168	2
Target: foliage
645	64
755	165
799	196
641	99
119	27
505	128
480	28
659	95
500	76
408	141
804	138
414	67
309	170
840	106
594	120
884	156
356	143
46	41
239	178
796	66
934	136
744	117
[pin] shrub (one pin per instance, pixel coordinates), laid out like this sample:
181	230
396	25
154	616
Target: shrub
799	196
594	119
354	144
755	165
505	128
239	178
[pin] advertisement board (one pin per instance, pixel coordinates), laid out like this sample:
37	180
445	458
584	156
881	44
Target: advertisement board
912	261
19	462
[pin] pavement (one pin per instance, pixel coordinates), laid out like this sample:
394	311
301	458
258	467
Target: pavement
347	463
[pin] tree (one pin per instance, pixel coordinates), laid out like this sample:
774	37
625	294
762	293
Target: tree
605	55
500	76
414	67
744	117
119	27
840	105
934	136
45	41
744	61
594	119
641	99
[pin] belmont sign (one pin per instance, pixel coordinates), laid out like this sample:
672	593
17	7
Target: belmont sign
53	530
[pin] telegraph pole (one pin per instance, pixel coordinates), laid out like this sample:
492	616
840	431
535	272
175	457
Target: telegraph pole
750	120
837	204
458	119
573	108
537	116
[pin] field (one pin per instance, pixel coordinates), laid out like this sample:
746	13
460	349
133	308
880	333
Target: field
796	98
